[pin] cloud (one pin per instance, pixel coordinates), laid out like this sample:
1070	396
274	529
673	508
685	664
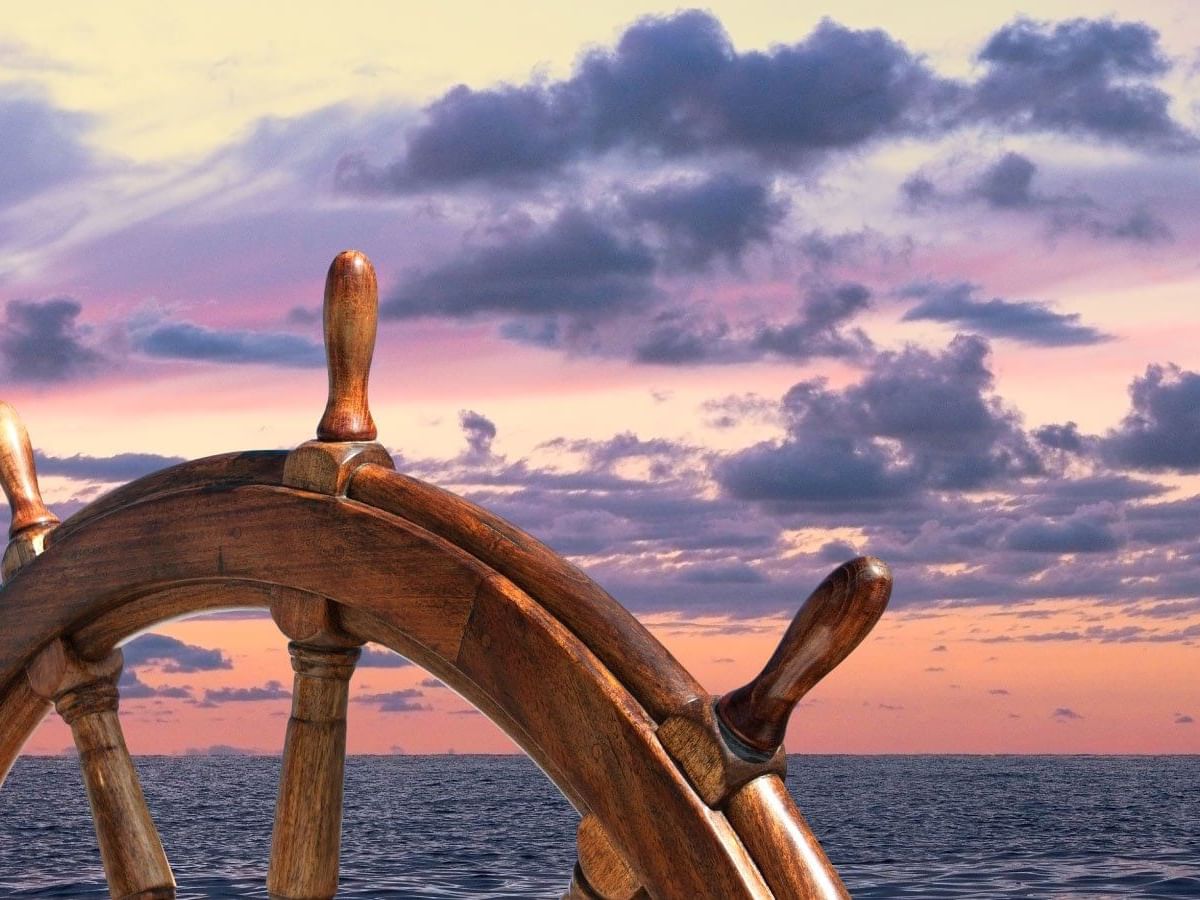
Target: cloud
998	692
118	467
574	265
918	421
43	145
1183	719
1026	321
41	342
679	336
672	87
173	655
184	340
722	215
1089	78
1006	186
133	688
1089	530
1161	431
381	658
479	431
401	701
272	690
1065	714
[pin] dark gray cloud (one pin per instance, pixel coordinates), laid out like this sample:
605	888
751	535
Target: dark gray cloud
1085	531
918	421
402	701
184	340
681	337
672	87
133	688
574	265
720	216
1006	184
1065	714
1182	719
381	658
1027	321
42	342
1161	432
43	146
1061	437
1087	77
479	431
172	655
118	467
272	690
675	87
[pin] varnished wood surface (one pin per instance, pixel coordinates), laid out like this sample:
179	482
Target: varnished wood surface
18	475
604	868
782	844
210	473
306	839
326	467
350	315
715	769
21	710
85	695
634	655
832	622
247	532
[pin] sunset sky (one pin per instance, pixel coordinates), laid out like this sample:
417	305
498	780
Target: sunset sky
709	300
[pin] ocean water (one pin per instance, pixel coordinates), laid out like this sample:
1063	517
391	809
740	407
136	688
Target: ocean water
495	827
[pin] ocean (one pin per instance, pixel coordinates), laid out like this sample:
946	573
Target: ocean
494	827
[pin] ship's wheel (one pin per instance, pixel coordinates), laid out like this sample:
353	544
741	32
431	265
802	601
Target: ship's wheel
680	794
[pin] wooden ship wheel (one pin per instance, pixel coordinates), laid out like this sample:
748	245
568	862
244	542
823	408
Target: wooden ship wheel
681	794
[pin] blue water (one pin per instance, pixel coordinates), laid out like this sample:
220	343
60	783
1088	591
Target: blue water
494	827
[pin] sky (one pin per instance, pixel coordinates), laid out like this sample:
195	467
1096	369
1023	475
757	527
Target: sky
709	300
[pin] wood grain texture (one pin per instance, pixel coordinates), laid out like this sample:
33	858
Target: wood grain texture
31	521
306	839
832	622
21	710
306	541
634	655
602	740
714	767
326	467
85	695
604	869
351	316
782	844
210	473
18	475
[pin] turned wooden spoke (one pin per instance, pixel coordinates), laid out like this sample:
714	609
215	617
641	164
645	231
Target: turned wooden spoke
85	695
833	621
31	521
350	316
308	815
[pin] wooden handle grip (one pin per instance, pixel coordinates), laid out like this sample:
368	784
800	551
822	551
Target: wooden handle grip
18	476
832	622
351	320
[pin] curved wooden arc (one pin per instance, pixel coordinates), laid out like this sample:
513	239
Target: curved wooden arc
415	592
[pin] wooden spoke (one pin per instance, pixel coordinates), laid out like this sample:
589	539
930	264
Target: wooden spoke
602	867
85	695
31	521
308	815
351	315
782	844
832	622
